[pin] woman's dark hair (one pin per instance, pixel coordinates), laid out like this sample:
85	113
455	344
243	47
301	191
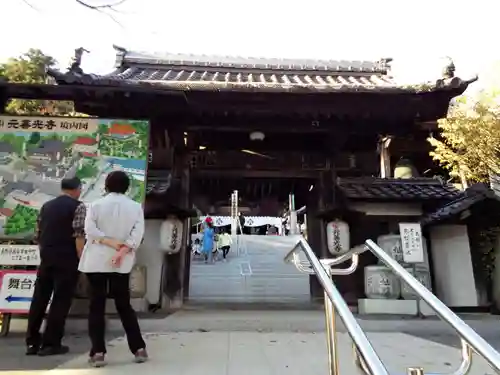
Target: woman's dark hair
117	182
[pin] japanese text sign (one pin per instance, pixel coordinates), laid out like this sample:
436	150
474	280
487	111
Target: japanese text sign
16	291
411	242
48	124
19	255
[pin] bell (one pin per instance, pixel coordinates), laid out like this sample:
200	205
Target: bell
404	169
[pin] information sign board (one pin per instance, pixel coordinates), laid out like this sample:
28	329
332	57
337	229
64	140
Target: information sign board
16	291
411	242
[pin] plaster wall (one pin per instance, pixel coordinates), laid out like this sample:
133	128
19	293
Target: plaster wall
453	272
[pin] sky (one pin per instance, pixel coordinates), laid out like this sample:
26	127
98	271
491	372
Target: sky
416	34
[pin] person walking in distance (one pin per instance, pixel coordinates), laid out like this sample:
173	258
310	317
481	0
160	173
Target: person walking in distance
242	220
113	229
225	242
58	271
207	240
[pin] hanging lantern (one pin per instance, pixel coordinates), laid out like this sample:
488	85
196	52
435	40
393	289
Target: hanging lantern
337	233
171	235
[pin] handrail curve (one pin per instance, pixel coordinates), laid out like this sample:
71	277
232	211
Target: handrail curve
365	356
373	362
466	333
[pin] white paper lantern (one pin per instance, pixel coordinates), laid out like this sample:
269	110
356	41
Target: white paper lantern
171	235
337	233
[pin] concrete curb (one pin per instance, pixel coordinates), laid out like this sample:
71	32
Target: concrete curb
277	321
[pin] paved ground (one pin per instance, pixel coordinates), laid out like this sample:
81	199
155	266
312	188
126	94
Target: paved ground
257	274
240	353
257	342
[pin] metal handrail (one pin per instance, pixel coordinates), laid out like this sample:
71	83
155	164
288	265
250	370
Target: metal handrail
370	358
466	333
365	355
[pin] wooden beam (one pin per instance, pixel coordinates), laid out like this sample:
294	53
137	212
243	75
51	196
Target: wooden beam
385	157
253	173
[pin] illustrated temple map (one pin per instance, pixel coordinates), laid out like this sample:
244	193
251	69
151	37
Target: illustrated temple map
36	153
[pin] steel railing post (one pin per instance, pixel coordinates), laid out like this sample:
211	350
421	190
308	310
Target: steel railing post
331	331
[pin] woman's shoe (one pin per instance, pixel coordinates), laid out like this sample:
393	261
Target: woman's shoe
141	356
97	360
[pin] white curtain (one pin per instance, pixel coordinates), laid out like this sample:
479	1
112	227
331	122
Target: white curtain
250	221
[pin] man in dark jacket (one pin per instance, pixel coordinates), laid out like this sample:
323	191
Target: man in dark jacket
58	272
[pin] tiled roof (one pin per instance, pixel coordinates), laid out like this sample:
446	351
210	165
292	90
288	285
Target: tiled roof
126	58
121	129
6	212
86	141
219	73
388	189
473	195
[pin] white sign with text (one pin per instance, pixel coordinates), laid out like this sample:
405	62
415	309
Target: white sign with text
16	291
411	242
19	255
50	124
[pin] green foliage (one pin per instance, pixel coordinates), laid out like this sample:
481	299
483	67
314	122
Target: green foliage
134	147
34	138
31	68
23	220
469	142
103	129
16	142
137	190
88	170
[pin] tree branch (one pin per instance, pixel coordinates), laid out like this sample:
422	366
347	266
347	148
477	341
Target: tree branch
103	7
100	7
106	8
31	5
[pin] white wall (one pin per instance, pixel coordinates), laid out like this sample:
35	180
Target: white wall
151	257
387	209
452	264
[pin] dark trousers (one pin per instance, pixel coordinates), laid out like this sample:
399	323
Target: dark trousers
120	292
58	281
225	250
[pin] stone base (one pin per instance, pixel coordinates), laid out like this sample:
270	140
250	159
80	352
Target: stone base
387	306
425	309
171	303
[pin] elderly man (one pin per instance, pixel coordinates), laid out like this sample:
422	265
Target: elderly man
58	271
